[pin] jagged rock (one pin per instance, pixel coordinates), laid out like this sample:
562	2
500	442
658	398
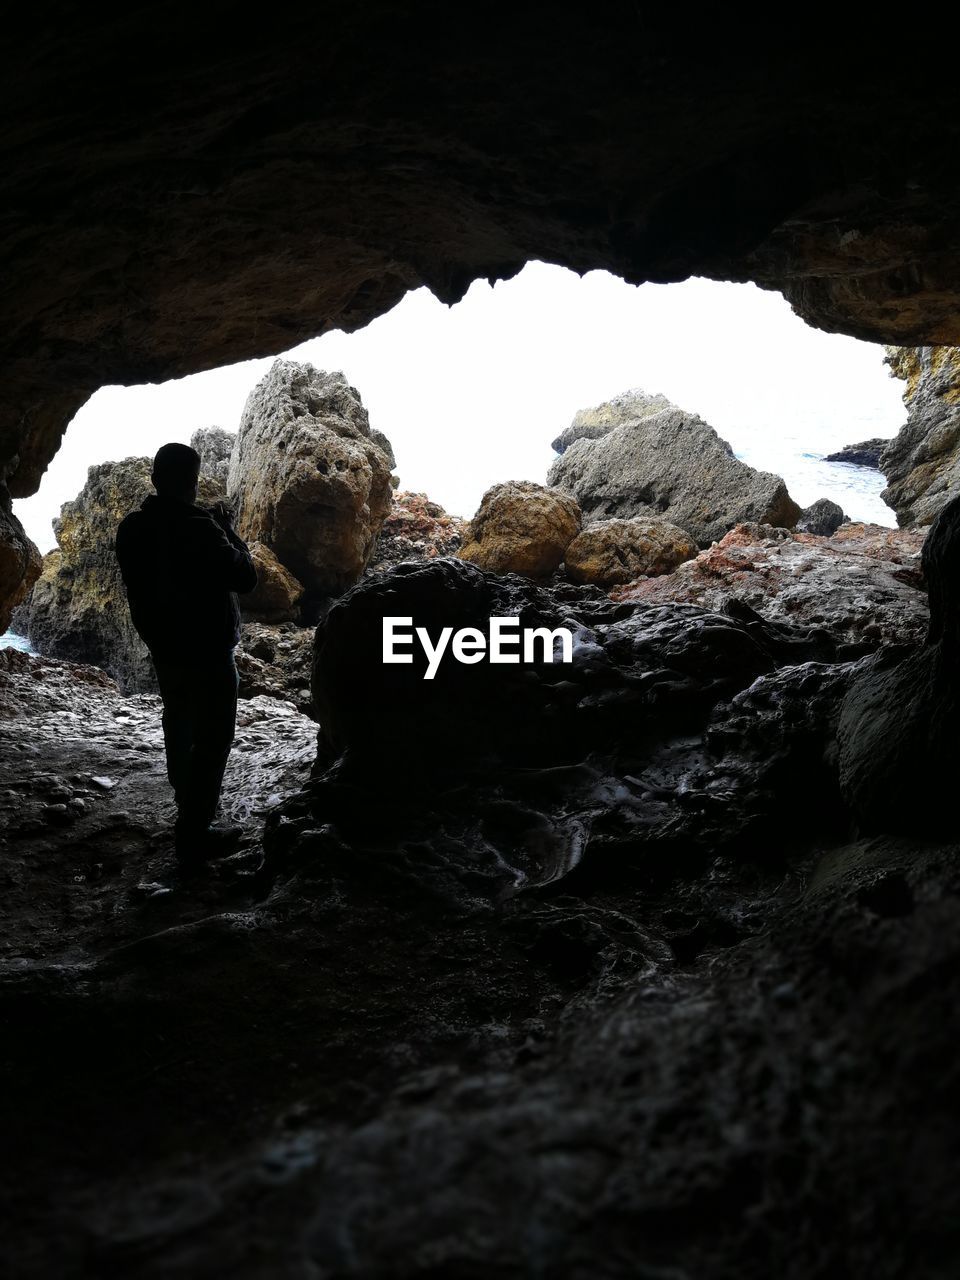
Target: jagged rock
308	480
863	585
20	562
822	517
276	661
674	465
276	597
865	454
78	609
214	446
416	529
922	462
590	424
616	551
898	727
521	527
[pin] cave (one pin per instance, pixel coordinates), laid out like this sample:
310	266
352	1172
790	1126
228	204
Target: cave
639	969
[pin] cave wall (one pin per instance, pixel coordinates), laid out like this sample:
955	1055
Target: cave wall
184	189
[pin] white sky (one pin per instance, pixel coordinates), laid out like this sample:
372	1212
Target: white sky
473	394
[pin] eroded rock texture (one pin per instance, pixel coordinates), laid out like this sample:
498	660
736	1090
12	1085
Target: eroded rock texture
922	462
591	424
521	527
864	585
822	517
20	562
260	191
898	730
307	479
672	464
416	529
78	607
611	552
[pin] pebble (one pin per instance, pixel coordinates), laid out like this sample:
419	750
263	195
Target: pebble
105	784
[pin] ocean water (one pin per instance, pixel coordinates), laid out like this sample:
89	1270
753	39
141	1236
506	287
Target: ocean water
10	640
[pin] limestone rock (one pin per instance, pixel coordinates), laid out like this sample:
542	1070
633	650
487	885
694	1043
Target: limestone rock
590	424
865	454
416	529
20	562
922	462
611	552
276	597
275	661
672	464
78	609
214	445
307	478
521	527
863	585
822	517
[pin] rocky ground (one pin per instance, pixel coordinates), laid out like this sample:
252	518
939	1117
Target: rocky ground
559	971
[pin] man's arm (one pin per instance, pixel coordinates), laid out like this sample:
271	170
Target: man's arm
226	553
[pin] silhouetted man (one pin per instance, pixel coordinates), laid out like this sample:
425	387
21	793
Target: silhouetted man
182	565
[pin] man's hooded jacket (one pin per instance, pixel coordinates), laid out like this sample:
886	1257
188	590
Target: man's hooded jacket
182	570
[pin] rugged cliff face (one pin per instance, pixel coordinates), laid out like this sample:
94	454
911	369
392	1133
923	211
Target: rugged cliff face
246	188
922	462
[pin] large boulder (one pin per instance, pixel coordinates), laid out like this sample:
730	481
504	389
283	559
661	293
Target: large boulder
922	462
822	517
307	478
611	552
521	527
673	464
591	424
78	608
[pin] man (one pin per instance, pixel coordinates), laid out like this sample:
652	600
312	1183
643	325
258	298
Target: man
182	566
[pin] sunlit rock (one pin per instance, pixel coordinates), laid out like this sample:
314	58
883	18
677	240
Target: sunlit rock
611	552
672	464
307	478
521	527
922	462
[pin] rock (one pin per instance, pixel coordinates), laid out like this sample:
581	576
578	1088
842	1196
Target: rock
611	552
276	661
416	529
898	726
922	462
822	517
78	609
865	454
214	446
521	527
670	464
20	562
591	424
308	480
277	595
863	585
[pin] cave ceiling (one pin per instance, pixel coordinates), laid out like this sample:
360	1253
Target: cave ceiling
187	186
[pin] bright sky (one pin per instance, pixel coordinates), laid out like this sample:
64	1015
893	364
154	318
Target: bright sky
473	394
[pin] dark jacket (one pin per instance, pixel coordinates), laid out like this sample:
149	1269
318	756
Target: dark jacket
181	569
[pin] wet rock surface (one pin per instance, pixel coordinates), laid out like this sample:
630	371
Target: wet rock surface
276	661
864	454
922	462
863	585
594	980
671	464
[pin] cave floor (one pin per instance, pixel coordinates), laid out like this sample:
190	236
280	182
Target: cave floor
743	1070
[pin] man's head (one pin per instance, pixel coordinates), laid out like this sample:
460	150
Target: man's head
176	472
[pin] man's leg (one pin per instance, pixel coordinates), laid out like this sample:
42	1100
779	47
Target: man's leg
215	717
177	693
